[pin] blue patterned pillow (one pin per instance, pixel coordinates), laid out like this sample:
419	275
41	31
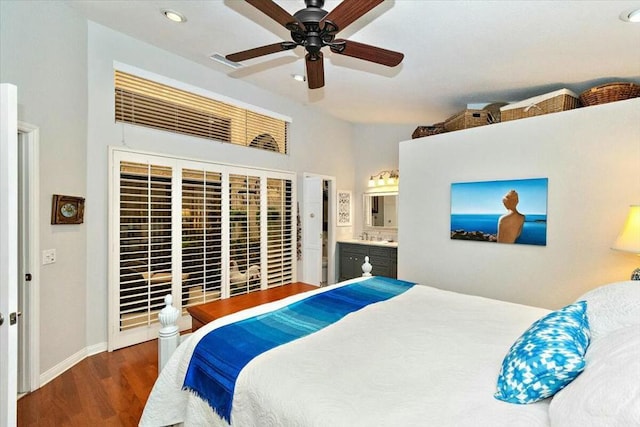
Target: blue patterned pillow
547	357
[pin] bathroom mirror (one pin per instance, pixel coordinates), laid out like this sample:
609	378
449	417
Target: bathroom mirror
381	210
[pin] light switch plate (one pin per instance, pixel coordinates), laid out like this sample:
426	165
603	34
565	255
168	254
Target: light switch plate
48	256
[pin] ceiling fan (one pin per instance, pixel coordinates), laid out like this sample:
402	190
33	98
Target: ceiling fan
314	28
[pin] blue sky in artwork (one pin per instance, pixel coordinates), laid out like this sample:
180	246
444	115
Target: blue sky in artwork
486	197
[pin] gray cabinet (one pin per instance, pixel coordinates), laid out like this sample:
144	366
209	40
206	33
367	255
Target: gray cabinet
351	257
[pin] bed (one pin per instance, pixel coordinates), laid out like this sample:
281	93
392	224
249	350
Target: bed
423	357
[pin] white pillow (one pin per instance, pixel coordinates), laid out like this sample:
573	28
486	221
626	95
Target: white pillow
612	307
607	393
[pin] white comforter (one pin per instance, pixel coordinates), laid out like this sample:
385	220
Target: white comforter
424	358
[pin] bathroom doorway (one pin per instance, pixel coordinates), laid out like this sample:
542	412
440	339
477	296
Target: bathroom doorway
318	241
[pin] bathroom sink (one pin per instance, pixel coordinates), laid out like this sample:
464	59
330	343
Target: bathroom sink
372	242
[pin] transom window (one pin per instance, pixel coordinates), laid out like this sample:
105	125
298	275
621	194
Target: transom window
145	102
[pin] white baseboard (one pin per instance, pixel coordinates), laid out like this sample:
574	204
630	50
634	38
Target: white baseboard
71	361
96	348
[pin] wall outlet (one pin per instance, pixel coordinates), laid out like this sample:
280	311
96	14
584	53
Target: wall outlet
48	256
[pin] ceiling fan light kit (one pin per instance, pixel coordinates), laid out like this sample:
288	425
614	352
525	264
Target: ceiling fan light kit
314	28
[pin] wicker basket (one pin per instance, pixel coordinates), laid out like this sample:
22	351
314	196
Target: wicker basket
553	102
434	129
610	92
494	112
466	119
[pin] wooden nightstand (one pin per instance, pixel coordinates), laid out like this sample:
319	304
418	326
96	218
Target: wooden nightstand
205	313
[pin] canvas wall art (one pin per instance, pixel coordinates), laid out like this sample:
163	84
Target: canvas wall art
509	211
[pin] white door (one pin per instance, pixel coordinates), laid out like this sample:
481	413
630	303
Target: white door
312	231
8	253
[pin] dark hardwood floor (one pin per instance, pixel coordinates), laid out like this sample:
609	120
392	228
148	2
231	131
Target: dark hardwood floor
107	389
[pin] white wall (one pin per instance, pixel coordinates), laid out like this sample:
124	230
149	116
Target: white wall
592	159
375	150
43	50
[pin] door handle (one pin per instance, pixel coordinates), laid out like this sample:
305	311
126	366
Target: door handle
1	319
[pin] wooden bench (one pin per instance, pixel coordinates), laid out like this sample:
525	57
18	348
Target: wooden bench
204	313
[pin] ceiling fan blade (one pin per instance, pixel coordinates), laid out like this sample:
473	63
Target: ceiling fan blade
260	51
315	70
367	52
278	14
345	13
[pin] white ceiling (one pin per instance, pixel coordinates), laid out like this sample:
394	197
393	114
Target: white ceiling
456	52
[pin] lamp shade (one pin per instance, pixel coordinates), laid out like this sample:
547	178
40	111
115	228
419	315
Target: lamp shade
629	238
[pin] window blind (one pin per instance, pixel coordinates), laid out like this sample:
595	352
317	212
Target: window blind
144	102
145	242
244	239
279	232
201	237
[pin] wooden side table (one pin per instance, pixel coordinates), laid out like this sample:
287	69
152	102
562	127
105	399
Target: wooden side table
205	313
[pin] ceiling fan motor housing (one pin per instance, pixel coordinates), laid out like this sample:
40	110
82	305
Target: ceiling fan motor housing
313	38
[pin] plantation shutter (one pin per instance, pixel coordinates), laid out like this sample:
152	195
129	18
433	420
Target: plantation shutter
201	237
244	229
194	230
145	242
279	232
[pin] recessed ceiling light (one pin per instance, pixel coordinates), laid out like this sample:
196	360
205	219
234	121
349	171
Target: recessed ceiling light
299	77
631	15
173	15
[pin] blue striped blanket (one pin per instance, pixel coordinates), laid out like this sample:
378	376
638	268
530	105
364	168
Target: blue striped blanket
221	354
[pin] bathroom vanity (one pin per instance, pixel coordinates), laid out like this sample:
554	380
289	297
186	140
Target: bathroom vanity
383	256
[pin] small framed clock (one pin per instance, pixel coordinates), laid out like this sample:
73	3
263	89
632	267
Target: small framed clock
67	209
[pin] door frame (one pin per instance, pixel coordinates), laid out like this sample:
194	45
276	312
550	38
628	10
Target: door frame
331	224
312	235
8	251
29	339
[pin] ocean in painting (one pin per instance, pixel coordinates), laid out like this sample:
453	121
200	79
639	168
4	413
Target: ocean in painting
534	231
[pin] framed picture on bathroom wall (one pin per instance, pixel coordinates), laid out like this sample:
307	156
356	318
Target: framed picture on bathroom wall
344	213
509	211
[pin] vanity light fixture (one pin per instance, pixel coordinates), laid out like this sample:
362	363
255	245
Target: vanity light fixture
384	178
174	16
